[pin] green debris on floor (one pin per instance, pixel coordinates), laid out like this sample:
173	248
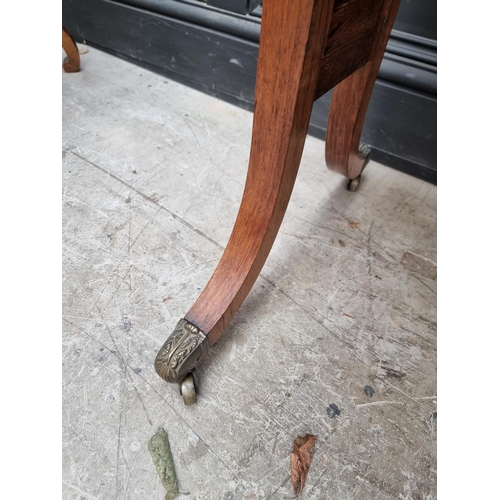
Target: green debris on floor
159	448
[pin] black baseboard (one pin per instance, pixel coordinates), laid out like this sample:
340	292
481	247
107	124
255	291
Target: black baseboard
217	53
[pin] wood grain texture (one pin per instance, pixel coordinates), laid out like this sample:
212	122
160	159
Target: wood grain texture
351	98
292	40
72	62
352	30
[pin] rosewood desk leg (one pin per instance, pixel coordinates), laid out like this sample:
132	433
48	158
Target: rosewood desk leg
293	34
343	151
72	62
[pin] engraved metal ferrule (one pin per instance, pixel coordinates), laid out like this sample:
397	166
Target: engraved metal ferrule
181	352
364	150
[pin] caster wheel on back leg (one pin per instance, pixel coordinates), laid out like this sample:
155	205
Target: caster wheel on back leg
353	184
187	389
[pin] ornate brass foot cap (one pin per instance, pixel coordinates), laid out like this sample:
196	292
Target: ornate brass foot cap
180	353
364	151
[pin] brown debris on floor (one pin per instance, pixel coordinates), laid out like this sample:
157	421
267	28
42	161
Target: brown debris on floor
300	460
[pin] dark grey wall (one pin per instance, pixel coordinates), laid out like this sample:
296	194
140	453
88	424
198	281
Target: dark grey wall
418	17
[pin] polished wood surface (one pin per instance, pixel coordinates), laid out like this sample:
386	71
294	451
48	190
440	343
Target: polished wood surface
72	62
353	28
351	98
293	35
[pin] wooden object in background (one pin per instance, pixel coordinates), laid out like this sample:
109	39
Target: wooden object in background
72	62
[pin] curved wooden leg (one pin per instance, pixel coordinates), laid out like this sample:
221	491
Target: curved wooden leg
345	122
293	34
72	62
351	97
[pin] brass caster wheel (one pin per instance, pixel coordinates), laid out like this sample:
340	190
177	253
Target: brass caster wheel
353	184
187	389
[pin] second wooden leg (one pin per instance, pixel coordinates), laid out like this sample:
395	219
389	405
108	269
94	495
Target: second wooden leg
343	151
345	122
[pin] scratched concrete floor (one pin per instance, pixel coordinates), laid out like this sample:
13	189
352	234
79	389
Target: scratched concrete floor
152	177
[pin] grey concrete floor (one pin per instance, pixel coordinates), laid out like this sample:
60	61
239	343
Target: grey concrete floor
153	173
